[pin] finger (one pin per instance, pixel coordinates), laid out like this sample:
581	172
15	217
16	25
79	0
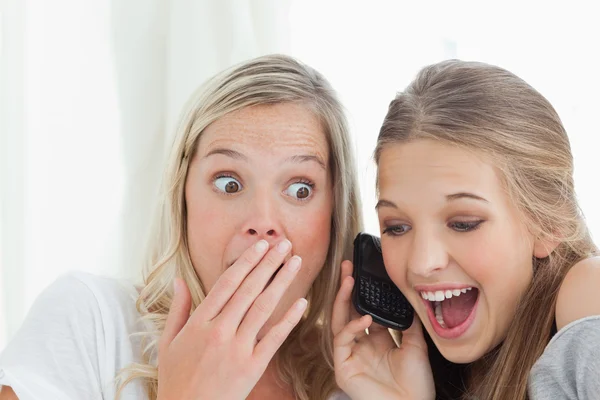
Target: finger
346	310
254	284
413	336
230	281
179	313
341	305
264	305
266	348
346	338
347	269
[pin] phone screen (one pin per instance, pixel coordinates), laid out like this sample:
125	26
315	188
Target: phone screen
374	260
374	292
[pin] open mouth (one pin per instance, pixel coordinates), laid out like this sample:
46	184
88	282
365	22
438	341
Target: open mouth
451	311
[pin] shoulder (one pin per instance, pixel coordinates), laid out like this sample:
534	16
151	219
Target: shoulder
82	305
578	294
569	366
79	329
79	293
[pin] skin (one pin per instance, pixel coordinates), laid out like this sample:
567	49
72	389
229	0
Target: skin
445	220
259	176
274	160
272	153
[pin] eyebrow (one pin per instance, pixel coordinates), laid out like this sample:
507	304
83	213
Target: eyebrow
450	197
307	158
227	152
465	195
239	156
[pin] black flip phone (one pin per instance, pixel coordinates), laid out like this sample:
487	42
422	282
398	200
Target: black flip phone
374	292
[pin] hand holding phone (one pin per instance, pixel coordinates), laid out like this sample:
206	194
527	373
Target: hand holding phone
358	355
374	292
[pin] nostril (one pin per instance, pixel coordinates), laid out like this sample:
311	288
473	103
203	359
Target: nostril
271	232
252	231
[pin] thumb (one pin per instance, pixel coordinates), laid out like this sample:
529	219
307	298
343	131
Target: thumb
413	336
179	312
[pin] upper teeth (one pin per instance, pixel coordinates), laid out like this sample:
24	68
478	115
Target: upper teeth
441	295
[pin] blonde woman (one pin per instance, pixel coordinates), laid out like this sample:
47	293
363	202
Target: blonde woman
481	230
260	206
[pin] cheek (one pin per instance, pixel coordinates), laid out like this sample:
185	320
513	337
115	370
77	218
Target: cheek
395	260
207	246
310	234
309	230
499	261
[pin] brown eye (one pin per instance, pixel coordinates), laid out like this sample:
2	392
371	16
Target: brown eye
228	184
300	191
231	187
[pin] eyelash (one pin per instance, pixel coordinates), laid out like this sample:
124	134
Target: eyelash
299	180
471	226
307	183
225	175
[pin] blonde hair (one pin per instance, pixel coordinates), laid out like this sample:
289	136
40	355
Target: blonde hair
264	80
490	110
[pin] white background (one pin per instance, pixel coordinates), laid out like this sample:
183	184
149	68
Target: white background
90	91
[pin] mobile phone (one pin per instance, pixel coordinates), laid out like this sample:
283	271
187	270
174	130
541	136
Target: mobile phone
374	293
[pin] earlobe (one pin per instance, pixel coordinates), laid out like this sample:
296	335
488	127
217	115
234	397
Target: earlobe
543	248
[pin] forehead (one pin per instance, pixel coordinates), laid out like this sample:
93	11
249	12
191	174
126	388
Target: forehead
434	166
276	128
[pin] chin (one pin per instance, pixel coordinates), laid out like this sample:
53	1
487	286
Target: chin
461	354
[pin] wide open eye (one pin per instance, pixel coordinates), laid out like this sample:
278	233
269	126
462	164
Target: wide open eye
228	184
299	190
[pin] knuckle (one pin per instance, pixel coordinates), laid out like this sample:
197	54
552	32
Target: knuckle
337	340
248	290
272	260
263	305
278	336
247	258
216	335
227	282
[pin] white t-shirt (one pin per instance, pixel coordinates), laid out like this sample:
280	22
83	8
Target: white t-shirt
75	340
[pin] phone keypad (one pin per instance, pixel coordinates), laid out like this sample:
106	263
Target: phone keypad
381	296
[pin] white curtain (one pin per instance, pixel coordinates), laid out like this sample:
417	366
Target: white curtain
91	91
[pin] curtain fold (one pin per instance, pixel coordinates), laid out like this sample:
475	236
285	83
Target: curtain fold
91	91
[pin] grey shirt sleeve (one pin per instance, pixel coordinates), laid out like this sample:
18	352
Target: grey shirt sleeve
569	368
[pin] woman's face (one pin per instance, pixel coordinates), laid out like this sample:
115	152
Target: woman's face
261	172
453	243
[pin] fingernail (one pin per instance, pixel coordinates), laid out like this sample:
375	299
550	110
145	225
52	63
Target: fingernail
261	246
301	304
176	287
294	263
284	246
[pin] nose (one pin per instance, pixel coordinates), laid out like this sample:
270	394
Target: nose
263	219
428	254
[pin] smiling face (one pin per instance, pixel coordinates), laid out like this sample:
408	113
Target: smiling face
260	173
450	231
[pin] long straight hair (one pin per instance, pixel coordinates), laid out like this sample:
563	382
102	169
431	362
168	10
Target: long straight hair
307	367
487	109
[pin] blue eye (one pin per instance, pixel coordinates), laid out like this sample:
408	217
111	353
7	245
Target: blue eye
397	230
227	184
299	190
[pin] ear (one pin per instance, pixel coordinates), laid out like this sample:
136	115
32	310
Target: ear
542	248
